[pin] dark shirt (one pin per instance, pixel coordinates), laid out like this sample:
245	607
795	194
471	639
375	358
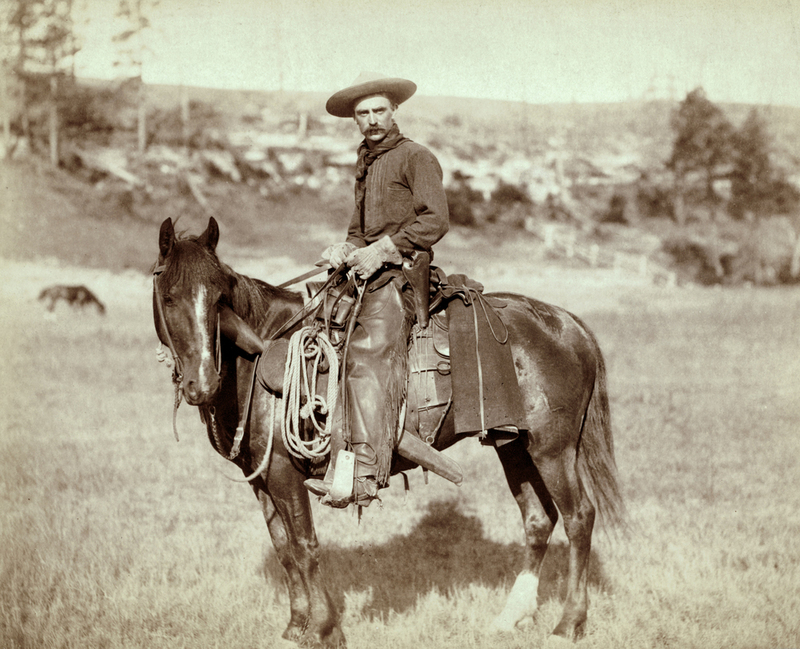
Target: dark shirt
404	199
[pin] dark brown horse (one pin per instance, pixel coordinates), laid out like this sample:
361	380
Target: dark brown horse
564	463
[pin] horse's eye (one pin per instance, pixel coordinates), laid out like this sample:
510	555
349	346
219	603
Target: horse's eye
168	299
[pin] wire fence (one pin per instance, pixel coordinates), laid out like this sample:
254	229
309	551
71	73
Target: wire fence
566	244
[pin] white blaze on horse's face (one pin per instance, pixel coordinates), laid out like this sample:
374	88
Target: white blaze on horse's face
206	355
201	381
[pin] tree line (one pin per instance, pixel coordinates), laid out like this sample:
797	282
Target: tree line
708	148
38	44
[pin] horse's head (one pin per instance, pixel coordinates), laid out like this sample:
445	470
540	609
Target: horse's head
189	284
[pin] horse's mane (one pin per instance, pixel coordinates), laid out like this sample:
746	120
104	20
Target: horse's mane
251	298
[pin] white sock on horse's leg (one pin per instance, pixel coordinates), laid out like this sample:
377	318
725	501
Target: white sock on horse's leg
521	602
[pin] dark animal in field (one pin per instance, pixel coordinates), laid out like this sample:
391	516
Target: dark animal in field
75	296
563	462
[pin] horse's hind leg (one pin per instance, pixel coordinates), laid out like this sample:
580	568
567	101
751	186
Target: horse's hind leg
560	474
539	517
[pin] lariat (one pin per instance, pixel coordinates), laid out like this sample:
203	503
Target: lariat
309	348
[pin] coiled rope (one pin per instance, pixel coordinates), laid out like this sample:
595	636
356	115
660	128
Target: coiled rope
307	350
298	379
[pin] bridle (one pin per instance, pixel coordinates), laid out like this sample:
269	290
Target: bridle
177	373
177	370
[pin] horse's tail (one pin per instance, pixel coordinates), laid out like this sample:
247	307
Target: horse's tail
596	464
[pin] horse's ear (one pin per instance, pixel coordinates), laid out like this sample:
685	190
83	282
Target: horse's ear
210	238
166	238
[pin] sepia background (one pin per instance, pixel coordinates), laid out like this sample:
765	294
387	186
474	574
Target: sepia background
636	163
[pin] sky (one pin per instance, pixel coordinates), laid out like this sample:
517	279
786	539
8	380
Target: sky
538	51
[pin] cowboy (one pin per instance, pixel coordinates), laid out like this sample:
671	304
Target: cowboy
400	211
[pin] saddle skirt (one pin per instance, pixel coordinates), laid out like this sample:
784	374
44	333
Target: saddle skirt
463	360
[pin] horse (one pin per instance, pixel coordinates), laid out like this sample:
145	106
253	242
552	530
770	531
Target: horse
564	461
74	296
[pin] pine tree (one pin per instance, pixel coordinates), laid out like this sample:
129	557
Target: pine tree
132	52
40	42
752	177
703	143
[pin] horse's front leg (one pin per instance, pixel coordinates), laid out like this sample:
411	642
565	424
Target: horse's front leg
314	619
298	595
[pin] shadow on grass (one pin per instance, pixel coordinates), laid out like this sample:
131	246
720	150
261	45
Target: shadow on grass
446	551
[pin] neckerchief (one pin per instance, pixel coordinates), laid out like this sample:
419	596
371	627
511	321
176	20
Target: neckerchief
366	156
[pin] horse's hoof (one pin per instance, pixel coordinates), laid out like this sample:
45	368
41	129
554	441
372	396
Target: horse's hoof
563	637
502	624
293	633
333	640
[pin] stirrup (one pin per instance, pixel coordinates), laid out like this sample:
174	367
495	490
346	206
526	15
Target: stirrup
366	490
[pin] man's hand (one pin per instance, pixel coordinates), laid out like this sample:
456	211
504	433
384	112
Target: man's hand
366	261
337	253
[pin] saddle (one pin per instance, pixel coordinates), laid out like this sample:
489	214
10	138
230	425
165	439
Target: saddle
459	354
464	358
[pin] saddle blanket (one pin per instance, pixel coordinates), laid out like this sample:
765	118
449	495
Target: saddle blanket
481	363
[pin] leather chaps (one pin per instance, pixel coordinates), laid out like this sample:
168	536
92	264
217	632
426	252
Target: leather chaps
375	375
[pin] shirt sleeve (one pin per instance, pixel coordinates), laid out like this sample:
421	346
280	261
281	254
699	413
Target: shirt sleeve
355	234
424	177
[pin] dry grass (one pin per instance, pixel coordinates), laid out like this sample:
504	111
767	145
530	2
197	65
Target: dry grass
115	536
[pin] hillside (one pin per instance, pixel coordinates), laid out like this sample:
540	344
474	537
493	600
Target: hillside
587	180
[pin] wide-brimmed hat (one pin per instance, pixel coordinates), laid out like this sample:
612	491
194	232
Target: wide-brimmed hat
341	104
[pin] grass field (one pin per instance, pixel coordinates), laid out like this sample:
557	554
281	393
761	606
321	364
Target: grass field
113	535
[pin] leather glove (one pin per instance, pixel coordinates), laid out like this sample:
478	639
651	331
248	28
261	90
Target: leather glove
337	253
366	261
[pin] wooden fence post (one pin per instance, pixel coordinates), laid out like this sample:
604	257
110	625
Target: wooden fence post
549	236
594	254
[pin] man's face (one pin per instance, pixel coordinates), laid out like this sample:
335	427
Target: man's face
374	116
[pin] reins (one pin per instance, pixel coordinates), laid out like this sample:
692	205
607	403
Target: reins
177	370
321	266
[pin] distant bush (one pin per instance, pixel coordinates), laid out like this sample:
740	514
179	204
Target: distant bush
87	110
506	195
619	210
509	204
464	203
765	254
654	200
167	125
760	254
697	261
